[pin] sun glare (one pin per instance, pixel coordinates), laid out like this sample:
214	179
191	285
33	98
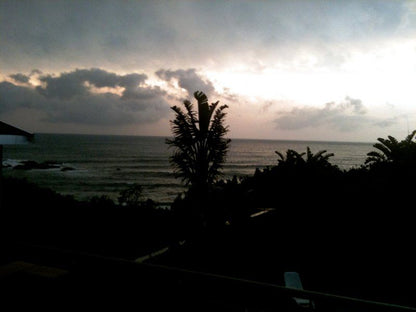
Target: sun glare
381	75
308	88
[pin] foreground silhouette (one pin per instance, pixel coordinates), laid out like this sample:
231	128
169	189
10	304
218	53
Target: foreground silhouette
199	143
345	232
200	149
349	232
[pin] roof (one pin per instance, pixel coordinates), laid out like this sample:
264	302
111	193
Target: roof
7	132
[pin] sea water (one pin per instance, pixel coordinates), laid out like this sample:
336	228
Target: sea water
105	165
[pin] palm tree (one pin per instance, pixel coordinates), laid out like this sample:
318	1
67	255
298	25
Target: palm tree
391	150
293	158
198	139
320	159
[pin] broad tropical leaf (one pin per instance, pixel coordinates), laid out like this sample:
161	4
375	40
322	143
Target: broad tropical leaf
393	151
198	139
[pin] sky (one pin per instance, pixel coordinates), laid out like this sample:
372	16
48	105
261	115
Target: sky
296	70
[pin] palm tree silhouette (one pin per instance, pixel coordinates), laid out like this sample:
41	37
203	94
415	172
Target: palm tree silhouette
198	139
391	150
293	158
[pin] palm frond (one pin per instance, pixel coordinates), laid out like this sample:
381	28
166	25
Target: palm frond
374	157
392	144
393	140
281	157
309	154
410	137
203	111
199	153
383	147
192	116
376	154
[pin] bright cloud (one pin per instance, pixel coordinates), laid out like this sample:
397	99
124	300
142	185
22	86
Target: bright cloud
275	63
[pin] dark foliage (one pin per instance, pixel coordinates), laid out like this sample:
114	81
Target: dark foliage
199	143
401	153
39	216
346	231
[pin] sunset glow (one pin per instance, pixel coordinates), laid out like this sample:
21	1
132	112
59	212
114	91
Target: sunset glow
271	63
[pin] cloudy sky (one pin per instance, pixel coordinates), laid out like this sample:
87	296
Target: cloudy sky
307	70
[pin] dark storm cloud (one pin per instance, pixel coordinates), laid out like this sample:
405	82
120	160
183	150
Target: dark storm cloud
105	109
70	98
35	72
13	97
188	79
78	82
20	78
172	33
345	116
96	96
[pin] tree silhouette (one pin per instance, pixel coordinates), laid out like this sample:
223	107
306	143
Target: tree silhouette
198	139
393	151
293	158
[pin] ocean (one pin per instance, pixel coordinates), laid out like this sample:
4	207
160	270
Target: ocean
105	165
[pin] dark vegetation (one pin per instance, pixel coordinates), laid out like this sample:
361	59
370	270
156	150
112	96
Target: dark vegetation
39	216
345	231
349	232
200	146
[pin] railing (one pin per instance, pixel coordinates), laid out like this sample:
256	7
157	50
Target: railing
169	287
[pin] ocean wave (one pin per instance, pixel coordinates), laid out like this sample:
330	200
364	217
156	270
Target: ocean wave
17	164
169	185
120	160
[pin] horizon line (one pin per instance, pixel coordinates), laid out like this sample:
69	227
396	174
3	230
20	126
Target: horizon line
232	138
